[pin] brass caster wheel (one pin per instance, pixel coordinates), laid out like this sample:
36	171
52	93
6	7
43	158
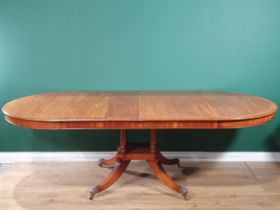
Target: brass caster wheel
178	164
100	162
184	192
92	193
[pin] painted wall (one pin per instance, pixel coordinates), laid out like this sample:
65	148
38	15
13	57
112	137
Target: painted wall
59	45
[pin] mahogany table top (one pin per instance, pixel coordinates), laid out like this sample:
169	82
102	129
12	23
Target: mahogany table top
139	110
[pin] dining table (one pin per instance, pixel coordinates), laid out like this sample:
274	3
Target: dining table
149	110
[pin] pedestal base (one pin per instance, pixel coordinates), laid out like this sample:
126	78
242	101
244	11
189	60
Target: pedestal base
126	153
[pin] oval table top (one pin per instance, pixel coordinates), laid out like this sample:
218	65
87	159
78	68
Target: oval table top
139	110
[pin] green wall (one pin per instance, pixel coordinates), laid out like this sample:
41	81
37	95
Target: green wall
55	45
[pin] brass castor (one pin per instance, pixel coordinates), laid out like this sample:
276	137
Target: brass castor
92	193
184	192
178	163
100	162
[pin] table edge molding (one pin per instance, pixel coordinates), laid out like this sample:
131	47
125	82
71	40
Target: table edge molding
172	124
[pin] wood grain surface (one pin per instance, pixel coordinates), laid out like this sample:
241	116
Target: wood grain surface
143	110
212	186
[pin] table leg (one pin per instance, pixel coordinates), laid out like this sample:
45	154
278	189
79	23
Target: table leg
126	153
157	168
120	154
107	162
119	168
167	161
162	176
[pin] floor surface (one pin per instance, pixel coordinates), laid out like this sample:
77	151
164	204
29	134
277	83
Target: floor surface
219	186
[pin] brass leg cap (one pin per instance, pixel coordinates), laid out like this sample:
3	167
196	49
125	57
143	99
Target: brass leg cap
100	162
92	193
184	192
178	163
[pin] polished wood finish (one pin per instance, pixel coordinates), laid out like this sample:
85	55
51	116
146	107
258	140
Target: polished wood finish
139	110
118	170
212	186
127	152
